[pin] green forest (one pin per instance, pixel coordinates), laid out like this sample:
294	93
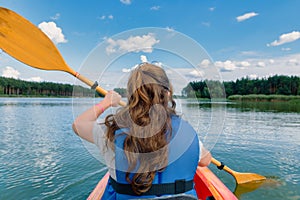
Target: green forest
16	87
275	85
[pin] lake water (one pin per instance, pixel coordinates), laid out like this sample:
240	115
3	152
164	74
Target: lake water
41	158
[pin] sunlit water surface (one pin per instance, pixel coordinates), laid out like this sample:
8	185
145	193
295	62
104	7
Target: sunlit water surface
41	158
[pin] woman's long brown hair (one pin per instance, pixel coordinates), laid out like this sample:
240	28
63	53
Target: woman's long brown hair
147	117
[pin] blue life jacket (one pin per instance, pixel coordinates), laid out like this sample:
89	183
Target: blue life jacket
183	159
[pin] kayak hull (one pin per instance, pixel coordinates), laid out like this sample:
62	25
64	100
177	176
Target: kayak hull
207	184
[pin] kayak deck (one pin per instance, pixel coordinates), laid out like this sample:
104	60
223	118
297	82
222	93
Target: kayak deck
207	184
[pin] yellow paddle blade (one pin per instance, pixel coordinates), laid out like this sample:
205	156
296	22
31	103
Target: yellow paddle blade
25	42
240	178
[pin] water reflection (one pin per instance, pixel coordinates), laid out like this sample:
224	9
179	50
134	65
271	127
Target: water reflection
266	106
247	187
245	106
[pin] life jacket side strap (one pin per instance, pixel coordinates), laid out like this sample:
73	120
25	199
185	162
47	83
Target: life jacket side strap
179	186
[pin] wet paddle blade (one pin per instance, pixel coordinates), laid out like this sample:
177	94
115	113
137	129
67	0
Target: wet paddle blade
25	42
242	178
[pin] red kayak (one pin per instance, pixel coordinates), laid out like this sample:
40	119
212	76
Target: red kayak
207	185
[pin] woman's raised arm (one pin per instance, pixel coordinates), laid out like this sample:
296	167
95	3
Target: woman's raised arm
83	124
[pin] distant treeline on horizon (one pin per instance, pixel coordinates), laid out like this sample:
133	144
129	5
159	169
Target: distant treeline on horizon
278	85
274	85
17	87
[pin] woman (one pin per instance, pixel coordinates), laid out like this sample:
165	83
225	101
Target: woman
150	151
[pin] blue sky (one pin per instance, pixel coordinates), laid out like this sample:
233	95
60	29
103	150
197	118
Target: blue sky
256	38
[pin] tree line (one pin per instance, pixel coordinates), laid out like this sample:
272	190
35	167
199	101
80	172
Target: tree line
278	85
17	87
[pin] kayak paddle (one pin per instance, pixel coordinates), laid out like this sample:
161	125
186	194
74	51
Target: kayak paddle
25	42
240	178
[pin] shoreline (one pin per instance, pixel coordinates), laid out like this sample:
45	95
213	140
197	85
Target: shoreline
265	98
234	98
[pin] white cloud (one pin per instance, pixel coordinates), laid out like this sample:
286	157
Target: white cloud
226	66
189	74
286	38
204	63
142	43
53	32
155	8
271	61
110	17
244	63
246	16
127	2
154	62
196	74
35	79
261	64
55	17
212	8
143	58
229	65
10	72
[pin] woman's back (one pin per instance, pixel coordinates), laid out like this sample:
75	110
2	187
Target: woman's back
183	157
